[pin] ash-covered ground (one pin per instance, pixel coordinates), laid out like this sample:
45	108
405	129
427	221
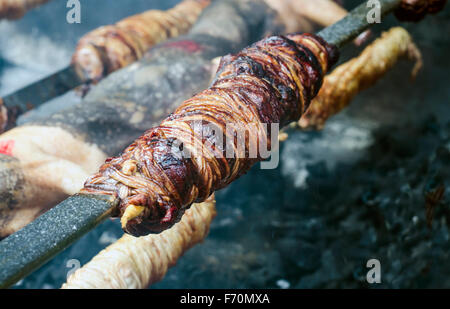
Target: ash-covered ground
358	190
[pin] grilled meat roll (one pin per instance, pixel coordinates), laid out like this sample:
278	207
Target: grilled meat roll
112	47
181	162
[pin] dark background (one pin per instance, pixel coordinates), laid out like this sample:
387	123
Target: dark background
352	192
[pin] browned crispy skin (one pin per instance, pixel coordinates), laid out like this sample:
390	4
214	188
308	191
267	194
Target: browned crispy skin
272	81
15	9
112	47
352	77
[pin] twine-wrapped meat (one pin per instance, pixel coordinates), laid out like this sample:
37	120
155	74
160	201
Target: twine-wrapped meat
112	47
180	162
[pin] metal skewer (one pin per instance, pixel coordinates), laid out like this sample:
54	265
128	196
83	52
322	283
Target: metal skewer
354	23
41	91
35	244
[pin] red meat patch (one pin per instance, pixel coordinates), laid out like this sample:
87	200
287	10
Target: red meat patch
6	147
189	46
